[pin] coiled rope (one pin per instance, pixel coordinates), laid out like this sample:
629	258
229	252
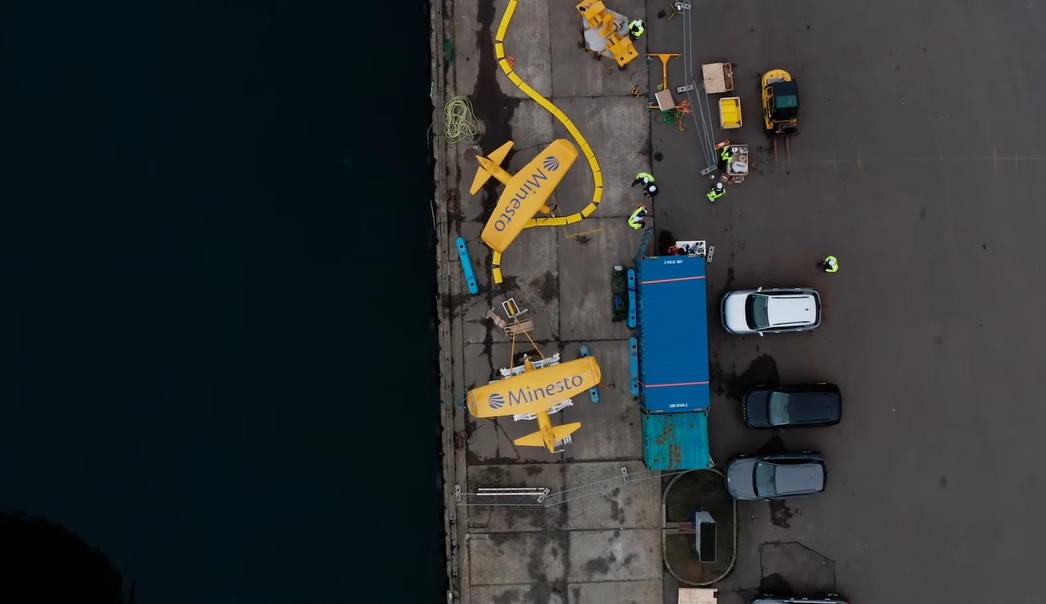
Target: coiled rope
460	122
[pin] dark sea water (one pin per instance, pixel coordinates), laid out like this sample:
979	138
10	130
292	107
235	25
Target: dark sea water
217	364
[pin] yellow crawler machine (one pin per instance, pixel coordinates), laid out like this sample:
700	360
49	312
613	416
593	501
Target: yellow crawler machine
780	96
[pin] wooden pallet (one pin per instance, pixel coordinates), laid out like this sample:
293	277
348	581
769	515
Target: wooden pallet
511	329
519	327
718	77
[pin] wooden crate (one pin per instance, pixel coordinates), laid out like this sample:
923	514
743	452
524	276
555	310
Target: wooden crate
718	77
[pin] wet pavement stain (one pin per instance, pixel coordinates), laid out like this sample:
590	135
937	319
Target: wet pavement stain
544	587
773	446
789	568
665	240
509	596
600	566
716	375
492	106
547	287
775	585
761	372
615	508
454	213
780	513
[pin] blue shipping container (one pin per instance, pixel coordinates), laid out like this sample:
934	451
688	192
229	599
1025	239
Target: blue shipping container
673	334
676	441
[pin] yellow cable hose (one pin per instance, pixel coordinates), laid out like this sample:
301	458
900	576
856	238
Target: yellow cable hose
460	121
495	267
597	175
512	350
534	344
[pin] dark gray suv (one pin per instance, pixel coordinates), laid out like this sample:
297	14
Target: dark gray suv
818	599
776	476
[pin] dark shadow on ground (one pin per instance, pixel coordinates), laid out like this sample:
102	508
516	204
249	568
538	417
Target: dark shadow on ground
41	561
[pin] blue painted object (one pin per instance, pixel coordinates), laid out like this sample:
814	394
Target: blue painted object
466	266
593	392
631	298
676	441
633	363
673	334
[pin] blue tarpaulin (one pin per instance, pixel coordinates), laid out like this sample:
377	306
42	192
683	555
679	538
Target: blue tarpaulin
673	334
676	441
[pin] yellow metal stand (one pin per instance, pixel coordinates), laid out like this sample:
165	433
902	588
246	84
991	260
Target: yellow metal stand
664	66
598	17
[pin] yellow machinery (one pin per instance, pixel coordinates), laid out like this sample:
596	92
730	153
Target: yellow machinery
664	56
609	32
780	96
664	101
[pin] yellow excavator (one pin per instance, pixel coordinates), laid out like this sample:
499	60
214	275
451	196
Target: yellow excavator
780	96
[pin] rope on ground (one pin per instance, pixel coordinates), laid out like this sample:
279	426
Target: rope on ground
461	124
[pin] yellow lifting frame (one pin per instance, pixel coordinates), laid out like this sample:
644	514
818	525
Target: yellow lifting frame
664	56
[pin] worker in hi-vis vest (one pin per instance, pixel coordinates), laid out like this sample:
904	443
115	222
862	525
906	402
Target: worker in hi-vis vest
717	191
636	29
643	178
636	220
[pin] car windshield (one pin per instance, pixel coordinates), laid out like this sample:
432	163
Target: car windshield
755	312
764	480
778	411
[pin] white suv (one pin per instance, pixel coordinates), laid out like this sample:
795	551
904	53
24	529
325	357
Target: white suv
771	310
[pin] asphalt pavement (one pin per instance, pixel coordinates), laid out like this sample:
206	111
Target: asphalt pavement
919	165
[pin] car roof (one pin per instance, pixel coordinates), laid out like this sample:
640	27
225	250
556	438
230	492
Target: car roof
834	599
799	478
792	309
814	406
797	388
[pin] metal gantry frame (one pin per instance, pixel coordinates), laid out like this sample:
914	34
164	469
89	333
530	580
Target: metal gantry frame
695	92
543	497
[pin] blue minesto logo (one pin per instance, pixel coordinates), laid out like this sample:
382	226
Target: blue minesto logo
530	394
496	401
551	163
530	186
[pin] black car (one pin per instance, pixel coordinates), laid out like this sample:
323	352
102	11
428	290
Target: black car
793	406
818	599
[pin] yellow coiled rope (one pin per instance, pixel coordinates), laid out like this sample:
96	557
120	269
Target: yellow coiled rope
460	122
